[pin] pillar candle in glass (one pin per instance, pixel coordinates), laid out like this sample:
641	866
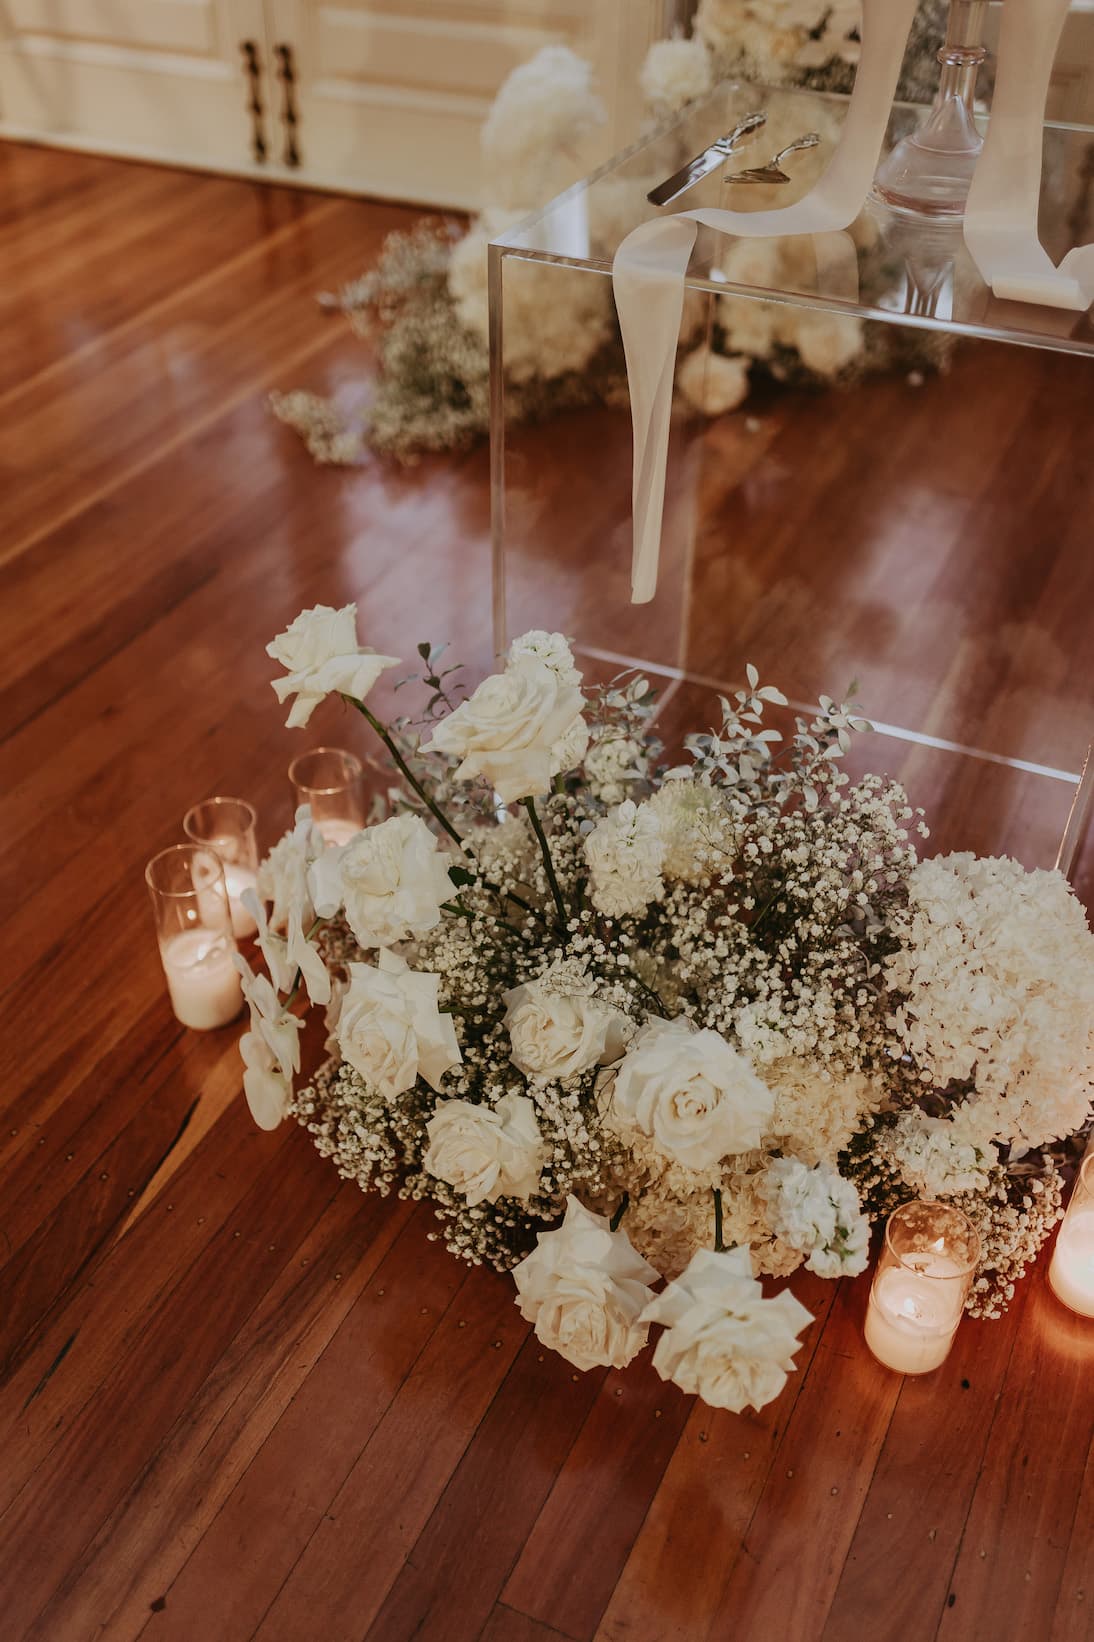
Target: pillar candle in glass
194	926
227	826
927	1263
1071	1272
331	782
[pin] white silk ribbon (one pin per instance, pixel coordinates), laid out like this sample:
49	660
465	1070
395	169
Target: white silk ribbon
1001	213
650	264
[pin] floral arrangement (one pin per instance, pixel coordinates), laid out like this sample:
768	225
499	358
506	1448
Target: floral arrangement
426	300
623	1025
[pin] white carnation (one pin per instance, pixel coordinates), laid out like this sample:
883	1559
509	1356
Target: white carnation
321	656
585	1289
611	763
552	649
625	852
723	1340
818	1213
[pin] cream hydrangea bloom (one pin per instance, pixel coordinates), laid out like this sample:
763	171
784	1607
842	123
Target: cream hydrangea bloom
713	383
818	1213
321	656
674	74
585	1289
486	1152
390	1028
691	1093
392	880
723	1340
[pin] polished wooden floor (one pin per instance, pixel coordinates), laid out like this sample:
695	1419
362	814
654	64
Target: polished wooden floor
239	1400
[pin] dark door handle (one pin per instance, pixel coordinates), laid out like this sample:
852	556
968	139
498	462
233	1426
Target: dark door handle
289	118
252	68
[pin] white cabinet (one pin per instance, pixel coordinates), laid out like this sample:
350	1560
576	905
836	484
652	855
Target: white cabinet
371	96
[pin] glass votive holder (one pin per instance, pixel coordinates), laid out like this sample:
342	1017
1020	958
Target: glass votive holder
927	1263
194	928
331	781
1071	1270
227	827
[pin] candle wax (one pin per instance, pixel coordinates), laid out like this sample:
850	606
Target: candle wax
1071	1273
202	980
912	1315
338	829
236	880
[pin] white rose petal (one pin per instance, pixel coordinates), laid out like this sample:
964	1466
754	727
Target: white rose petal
507	733
486	1152
696	1097
391	879
321	655
723	1340
558	1036
585	1289
390	1029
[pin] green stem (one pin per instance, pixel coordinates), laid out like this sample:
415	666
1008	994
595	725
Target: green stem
549	866
719	1246
389	742
613	1223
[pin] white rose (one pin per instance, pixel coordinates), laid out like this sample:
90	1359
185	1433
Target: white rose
508	731
692	1094
391	879
723	1341
390	1029
320	654
584	1288
557	1036
486	1152
625	852
270	1050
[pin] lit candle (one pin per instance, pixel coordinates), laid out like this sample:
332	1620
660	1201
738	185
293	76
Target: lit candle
237	878
196	942
202	980
330	781
1071	1273
919	1289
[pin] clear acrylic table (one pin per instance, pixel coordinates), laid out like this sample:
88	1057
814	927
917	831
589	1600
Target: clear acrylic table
925	536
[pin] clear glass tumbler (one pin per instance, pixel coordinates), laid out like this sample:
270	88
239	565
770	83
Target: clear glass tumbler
1071	1272
927	1263
331	781
194	927
227	826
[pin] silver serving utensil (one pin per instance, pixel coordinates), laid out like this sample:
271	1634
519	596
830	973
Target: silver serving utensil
773	171
706	162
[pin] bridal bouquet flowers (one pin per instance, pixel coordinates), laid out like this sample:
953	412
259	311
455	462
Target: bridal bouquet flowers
644	1035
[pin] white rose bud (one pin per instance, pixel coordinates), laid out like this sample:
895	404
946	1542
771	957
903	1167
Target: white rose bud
486	1152
585	1288
390	1029
723	1341
555	1036
321	655
692	1094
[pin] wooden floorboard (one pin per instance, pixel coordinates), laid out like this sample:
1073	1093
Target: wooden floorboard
241	1401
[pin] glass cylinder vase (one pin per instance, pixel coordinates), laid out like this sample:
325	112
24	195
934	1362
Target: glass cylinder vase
331	781
1071	1271
930	1253
194	929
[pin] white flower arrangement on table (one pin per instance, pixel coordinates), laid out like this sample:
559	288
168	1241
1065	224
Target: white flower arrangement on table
697	1026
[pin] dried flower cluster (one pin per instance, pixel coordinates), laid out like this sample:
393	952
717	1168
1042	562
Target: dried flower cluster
640	1018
